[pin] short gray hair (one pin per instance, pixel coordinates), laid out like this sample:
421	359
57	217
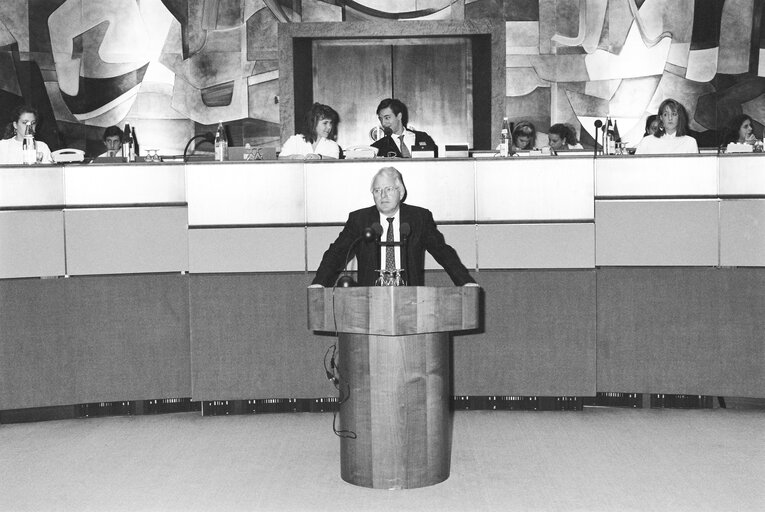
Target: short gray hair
398	179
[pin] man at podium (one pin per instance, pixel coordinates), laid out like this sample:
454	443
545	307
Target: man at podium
391	220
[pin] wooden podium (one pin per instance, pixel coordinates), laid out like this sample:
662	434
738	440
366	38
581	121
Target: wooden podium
394	365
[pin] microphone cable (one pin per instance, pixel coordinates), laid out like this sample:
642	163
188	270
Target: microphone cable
343	388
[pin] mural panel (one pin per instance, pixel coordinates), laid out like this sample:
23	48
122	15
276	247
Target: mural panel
173	68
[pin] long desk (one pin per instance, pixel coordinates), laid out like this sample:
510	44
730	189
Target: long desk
625	274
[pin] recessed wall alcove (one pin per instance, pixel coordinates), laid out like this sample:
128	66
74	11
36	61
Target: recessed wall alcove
451	75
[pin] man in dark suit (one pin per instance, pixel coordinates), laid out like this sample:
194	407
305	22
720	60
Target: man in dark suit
391	213
399	139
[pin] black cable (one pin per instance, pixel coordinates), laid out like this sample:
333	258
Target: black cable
333	375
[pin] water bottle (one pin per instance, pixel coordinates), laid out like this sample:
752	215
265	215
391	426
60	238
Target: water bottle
136	152
128	151
29	147
221	143
610	141
504	139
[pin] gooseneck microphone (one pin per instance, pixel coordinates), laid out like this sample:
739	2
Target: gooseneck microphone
405	230
208	137
345	280
598	124
378	229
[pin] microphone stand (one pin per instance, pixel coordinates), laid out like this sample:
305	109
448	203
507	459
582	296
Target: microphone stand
405	230
598	124
346	281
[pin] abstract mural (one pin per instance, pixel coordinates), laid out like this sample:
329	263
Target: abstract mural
174	68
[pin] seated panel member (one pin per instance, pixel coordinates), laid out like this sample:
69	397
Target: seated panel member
563	137
671	137
389	192
394	116
112	139
11	151
317	138
740	130
524	137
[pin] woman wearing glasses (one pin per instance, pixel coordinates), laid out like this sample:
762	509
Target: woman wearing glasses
317	137
671	136
11	148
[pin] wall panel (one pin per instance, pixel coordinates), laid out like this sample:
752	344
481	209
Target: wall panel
742	233
538	338
657	233
534	189
246	250
249	338
683	331
93	339
126	240
536	245
32	243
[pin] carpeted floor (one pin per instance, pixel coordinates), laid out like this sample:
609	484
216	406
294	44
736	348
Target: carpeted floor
599	459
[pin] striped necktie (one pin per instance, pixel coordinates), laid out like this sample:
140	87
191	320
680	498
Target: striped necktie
404	150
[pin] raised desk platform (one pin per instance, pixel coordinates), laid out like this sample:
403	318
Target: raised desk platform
632	274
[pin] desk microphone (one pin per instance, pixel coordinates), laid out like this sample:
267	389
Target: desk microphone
378	229
346	281
598	124
405	231
207	137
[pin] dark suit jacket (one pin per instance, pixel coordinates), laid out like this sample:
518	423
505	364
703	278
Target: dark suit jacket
387	145
424	236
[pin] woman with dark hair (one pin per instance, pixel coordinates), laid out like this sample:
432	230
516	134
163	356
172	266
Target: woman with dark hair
11	148
317	137
740	130
524	136
671	137
563	137
651	125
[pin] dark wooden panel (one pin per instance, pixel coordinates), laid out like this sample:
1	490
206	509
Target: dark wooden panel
93	339
538	338
682	331
352	79
249	338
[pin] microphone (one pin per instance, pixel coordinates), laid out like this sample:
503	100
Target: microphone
405	231
208	137
378	229
346	281
387	130
598	124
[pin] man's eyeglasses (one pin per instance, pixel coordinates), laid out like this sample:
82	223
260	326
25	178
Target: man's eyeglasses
387	190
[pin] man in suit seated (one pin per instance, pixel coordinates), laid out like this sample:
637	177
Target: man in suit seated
399	139
389	192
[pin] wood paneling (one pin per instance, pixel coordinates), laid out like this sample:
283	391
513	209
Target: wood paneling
352	79
393	311
435	81
398	395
